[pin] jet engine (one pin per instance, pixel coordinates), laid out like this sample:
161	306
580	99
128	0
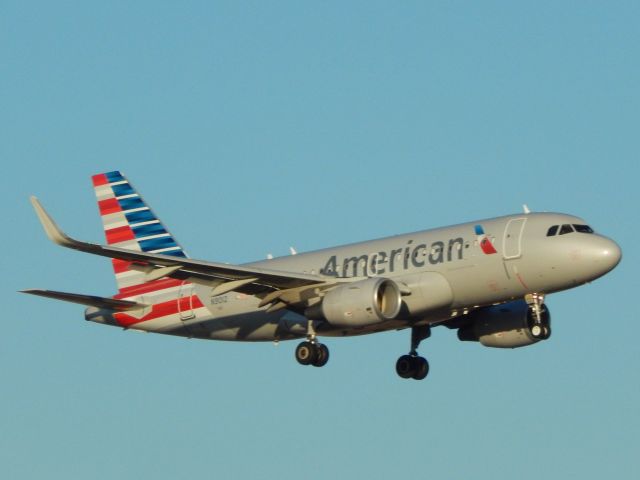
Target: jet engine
359	304
510	325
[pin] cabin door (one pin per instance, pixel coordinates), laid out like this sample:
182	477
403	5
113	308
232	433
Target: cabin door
512	245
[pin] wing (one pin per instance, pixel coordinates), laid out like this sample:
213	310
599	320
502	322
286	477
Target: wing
277	288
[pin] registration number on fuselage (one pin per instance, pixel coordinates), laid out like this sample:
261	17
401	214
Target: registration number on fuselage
219	299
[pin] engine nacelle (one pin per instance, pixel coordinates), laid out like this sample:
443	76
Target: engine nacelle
359	304
503	326
430	291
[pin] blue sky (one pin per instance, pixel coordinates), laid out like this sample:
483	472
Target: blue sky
253	126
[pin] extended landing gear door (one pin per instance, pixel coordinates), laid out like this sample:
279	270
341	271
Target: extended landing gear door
513	238
185	301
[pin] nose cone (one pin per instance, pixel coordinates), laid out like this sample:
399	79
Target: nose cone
611	255
605	255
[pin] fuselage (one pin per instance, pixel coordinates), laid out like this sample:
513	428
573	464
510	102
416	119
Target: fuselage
448	271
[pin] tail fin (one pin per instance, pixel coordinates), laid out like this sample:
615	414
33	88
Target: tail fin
129	223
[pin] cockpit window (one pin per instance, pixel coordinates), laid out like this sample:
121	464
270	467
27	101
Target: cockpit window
583	228
566	228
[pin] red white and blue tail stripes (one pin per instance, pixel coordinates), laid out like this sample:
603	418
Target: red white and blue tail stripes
130	223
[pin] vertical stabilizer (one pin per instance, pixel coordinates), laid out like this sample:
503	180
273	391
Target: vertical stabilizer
129	223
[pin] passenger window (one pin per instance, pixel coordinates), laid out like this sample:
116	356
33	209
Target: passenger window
566	229
583	228
552	231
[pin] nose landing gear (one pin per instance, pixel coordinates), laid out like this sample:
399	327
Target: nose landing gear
539	317
412	365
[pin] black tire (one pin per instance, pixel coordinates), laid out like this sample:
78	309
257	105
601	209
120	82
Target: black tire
405	366
420	368
306	353
322	356
547	332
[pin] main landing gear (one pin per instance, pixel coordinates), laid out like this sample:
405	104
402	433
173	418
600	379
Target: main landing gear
412	365
311	352
539	318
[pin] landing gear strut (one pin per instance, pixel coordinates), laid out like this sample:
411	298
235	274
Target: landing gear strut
412	365
311	352
539	318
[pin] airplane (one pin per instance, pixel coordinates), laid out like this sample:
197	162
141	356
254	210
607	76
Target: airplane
487	279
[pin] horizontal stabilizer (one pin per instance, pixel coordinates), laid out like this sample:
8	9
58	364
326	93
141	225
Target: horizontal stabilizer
90	300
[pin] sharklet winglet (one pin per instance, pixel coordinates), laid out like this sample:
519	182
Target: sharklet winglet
52	230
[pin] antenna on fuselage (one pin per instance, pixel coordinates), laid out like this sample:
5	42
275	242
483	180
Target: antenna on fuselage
292	251
526	209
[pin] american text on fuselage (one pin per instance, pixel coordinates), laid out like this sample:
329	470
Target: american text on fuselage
391	261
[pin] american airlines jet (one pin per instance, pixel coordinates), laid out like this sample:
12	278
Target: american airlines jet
487	279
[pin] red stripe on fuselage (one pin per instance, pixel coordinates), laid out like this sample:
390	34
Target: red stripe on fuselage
100	179
160	310
110	205
148	287
119	234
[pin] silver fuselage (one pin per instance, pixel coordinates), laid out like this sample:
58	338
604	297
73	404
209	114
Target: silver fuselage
447	262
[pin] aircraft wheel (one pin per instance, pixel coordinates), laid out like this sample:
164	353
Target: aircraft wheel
546	332
537	331
322	355
405	366
306	353
421	368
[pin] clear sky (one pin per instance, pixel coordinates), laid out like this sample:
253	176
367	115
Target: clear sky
253	126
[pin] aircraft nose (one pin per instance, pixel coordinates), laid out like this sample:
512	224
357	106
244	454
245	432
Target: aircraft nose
612	254
606	254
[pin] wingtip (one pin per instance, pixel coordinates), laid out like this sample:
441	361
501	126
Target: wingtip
32	291
52	230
